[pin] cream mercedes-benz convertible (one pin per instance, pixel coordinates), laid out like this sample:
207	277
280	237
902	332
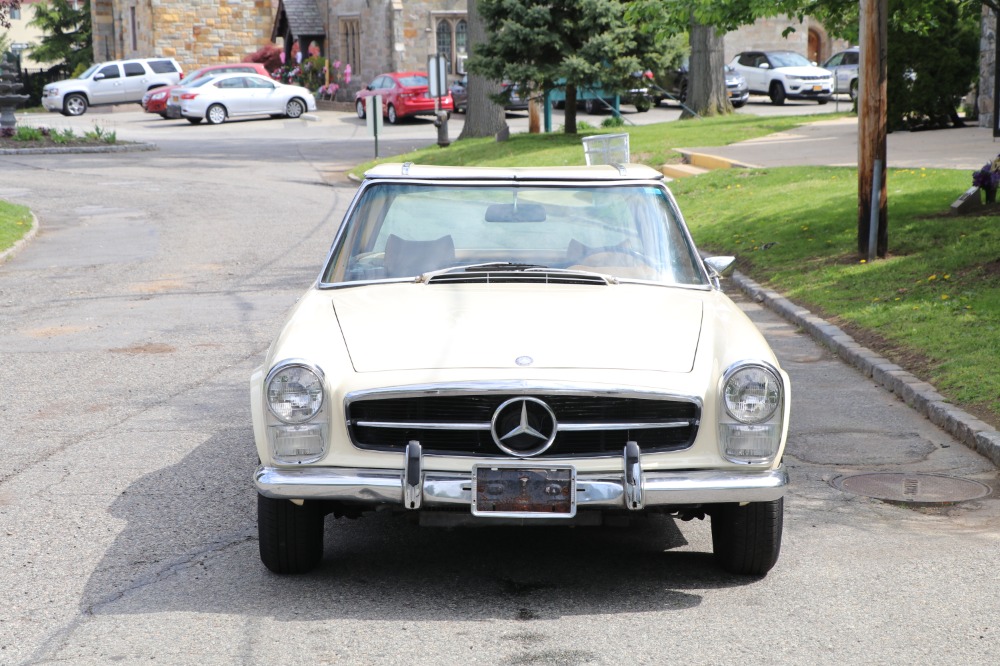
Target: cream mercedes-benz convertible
537	346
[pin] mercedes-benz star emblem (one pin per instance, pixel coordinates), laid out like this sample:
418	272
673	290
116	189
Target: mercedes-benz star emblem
524	427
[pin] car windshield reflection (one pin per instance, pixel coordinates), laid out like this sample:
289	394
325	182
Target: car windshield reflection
402	231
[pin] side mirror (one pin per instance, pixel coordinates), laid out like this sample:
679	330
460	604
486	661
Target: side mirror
98	76
765	65
720	267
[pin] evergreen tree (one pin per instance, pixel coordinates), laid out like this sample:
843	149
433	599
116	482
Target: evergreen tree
545	44
67	34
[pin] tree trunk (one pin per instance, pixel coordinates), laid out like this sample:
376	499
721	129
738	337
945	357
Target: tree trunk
569	113
483	116
706	78
872	106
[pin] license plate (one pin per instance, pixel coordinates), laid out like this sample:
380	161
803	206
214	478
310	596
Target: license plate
523	492
817	88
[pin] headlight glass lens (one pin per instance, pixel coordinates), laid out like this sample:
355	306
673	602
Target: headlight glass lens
752	394
294	393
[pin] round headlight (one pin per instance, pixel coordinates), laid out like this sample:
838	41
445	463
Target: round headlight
752	394
294	393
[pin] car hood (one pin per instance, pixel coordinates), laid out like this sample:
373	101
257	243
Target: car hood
803	71
418	326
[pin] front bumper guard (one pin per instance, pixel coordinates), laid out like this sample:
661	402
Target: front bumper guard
414	488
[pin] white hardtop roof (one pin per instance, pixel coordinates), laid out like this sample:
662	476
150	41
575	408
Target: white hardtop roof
606	172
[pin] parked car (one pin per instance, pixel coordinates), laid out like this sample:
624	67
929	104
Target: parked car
460	96
675	82
155	101
115	82
784	75
844	66
404	94
518	345
218	98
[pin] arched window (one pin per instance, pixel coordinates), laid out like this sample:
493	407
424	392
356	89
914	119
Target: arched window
452	35
444	39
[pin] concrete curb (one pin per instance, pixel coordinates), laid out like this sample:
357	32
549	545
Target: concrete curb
65	150
915	392
21	242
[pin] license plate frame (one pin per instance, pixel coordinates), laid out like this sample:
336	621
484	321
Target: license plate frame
513	490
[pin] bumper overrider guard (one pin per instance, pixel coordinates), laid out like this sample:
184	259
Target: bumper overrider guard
413	488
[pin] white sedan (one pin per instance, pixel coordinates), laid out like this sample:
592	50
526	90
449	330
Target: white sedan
519	346
218	98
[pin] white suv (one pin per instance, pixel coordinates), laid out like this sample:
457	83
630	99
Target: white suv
784	75
115	82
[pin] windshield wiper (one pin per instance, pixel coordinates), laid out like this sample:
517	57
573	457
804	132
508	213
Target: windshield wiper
512	266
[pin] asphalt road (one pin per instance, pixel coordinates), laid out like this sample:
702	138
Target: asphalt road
128	330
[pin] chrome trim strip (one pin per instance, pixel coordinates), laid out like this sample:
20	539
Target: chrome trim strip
374	487
573	427
563	427
514	387
414	425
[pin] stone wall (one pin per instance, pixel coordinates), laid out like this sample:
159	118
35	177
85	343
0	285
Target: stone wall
987	67
195	32
766	35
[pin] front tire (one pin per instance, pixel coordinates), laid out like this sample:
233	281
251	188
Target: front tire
746	540
216	114
291	536
391	115
777	93
359	106
295	108
74	105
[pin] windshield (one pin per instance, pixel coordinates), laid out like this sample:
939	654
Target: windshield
788	59
90	70
412	81
402	230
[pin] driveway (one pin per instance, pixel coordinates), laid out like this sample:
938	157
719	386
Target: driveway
128	331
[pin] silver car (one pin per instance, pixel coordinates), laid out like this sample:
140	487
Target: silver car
219	98
844	66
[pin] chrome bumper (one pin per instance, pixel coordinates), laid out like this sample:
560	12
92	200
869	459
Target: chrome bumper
633	490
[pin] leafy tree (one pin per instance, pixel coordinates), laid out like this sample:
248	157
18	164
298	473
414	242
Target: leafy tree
544	44
6	6
67	34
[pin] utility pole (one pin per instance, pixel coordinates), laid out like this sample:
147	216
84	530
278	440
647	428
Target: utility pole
872	114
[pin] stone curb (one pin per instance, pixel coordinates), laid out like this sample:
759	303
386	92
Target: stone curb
21	242
915	392
65	150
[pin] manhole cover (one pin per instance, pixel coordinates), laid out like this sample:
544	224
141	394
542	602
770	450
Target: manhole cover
913	488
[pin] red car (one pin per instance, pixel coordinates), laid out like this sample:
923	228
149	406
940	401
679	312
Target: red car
155	100
403	94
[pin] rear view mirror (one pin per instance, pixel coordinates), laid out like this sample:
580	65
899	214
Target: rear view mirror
526	212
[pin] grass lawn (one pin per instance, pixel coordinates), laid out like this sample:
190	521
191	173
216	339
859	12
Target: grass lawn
15	222
648	144
932	306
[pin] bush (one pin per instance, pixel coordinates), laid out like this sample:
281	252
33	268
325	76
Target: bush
932	67
269	56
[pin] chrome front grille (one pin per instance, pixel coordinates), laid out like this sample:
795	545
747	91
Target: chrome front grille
460	424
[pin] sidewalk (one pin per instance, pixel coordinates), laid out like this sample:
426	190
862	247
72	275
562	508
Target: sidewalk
835	143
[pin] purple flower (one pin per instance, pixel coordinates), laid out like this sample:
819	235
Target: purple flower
985	178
